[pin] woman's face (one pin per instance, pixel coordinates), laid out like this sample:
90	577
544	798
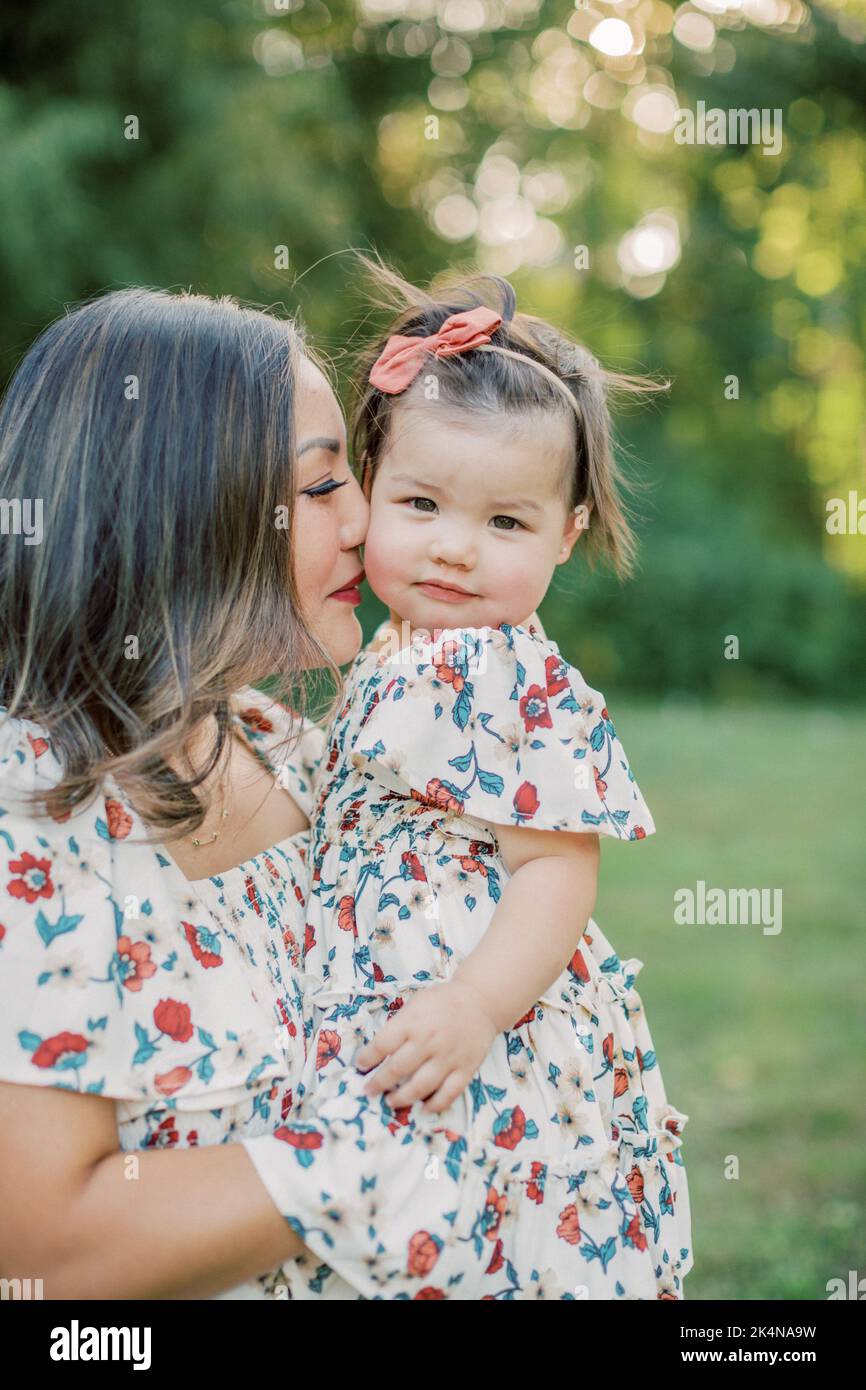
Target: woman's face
330	519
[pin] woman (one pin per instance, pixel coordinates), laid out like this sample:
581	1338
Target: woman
200	532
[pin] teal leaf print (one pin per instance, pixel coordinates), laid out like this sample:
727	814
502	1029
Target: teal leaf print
204	1069
462	709
462	763
102	828
469	901
145	1049
491	783
29	1041
96	1087
404	913
48	930
596	738
205	1038
94	1024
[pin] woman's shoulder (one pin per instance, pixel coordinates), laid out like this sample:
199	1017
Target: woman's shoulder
291	743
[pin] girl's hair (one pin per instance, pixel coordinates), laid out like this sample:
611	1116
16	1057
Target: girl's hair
527	366
157	431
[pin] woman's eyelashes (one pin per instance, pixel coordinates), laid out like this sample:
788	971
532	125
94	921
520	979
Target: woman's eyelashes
512	523
324	489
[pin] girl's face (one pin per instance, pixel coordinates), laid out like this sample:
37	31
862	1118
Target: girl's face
331	515
468	518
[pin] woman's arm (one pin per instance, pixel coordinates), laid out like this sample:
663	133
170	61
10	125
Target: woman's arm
94	1222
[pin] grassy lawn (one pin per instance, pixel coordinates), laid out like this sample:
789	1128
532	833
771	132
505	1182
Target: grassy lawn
760	1038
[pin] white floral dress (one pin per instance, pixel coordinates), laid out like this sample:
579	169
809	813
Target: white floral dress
558	1173
119	977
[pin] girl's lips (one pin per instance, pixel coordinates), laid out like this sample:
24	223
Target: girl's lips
446	595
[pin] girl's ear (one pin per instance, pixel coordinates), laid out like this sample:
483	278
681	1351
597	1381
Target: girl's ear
576	523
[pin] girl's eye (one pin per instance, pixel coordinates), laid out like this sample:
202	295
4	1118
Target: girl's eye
511	523
324	489
431	507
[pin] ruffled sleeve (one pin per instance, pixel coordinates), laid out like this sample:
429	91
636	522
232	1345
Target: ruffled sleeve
291	745
496	724
115	978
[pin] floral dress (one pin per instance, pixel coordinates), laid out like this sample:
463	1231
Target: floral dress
122	978
558	1173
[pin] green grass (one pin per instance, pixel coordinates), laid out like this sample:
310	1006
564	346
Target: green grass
760	1038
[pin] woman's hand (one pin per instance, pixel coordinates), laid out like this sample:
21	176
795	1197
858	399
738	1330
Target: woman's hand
434	1045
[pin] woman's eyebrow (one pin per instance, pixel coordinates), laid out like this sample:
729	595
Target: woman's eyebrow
332	445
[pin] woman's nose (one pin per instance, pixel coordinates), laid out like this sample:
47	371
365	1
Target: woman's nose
355	515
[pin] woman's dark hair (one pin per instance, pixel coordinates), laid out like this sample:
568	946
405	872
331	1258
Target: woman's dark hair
527	366
156	431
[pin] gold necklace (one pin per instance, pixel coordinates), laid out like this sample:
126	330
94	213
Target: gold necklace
197	843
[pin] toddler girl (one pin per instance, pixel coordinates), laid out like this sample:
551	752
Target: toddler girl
450	948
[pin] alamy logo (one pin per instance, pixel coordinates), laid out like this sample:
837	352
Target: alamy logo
22	516
75	1343
738	126
702	906
21	1289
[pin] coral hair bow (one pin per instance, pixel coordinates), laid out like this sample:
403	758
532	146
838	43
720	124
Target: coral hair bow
402	358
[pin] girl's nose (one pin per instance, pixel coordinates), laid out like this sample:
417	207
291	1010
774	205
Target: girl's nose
451	546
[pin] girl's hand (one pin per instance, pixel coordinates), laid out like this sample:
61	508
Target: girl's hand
434	1046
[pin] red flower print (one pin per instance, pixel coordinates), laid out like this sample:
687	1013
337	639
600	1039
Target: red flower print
309	937
428	1292
666	1294
286	1103
638	833
414	867
346	914
170	1082
634	1181
173	1018
2	931
254	719
639	1055
197	939
59	1051
511	1135
445	661
569	1225
35	878
555	677
327	1048
299	1138
253	895
535	1187
473	866
633	1235
607	1049
577	968
672	1125
332	757
136	965
526	801
119	820
441	795
600	786
39	745
494	1210
534	711
496	1260
527	1018
620	1081
423	1253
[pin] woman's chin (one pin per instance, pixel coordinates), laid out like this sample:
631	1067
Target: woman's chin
343	639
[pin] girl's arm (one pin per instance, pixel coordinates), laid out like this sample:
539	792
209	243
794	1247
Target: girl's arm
538	922
435	1043
93	1222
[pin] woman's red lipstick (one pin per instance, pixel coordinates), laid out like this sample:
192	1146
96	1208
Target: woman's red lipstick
351	592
